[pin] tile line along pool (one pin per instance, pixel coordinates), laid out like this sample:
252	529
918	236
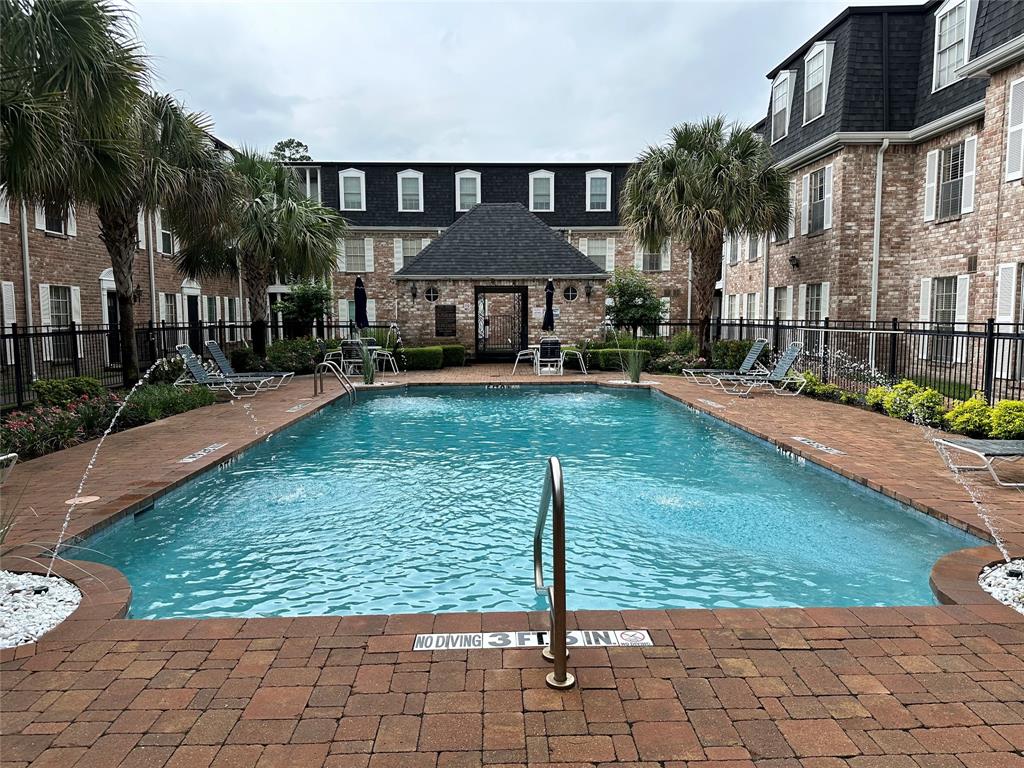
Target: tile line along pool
424	499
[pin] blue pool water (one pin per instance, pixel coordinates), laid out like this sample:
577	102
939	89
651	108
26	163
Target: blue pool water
426	501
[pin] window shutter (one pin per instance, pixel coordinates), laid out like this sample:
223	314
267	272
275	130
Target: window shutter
5	209
163	307
805	199
221	305
44	319
924	310
76	314
1006	282
371	310
583	246
10	316
970	154
963	288
609	258
638	256
1015	132
666	255
826	290
792	211
203	314
931	176
399	263
757	305
801	307
424	242
71	227
40	218
788	313
341	255
342	313
771	303
141	224
179	306
828	196
368	251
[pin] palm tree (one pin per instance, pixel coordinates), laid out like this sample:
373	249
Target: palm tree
266	226
710	180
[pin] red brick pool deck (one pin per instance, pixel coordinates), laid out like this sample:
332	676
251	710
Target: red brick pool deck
935	687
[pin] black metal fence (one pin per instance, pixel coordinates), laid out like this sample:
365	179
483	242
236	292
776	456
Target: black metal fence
47	352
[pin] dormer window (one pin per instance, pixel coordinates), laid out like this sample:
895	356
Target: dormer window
352	186
817	64
410	191
542	191
953	22
599	191
782	93
467	190
309	182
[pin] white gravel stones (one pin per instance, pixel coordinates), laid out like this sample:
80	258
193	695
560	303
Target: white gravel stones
31	605
1004	587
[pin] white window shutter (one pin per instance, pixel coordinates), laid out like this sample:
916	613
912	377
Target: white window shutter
204	315
924	313
424	242
371	310
583	246
970	159
342	311
40	217
221	305
76	314
792	212
666	255
163	307
10	316
788	314
828	196
805	199
930	179
44	319
1015	132
963	289
71	227
757	305
368	252
771	303
399	262
801	306
826	291
141	224
1006	282
179	308
341	255
609	259
638	256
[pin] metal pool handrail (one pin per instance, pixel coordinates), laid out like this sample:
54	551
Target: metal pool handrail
329	366
553	494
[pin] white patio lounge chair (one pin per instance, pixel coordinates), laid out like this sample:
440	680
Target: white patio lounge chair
777	380
280	378
528	355
195	373
748	366
989	452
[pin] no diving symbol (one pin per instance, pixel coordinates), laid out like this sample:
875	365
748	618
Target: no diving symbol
633	637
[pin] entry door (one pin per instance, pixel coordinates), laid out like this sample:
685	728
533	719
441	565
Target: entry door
114	321
501	323
195	334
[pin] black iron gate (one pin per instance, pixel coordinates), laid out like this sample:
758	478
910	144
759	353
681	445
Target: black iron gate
501	323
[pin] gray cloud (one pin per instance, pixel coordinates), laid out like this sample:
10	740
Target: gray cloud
471	81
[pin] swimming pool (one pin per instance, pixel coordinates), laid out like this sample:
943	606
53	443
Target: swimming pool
424	499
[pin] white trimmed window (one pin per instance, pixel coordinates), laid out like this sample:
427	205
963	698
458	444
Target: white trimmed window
355	255
817	64
949	180
542	191
467	190
309	182
410	191
599	190
165	242
53	221
782	98
600	250
953	22
352	189
1015	131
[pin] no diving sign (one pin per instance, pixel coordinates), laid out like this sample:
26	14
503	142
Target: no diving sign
584	638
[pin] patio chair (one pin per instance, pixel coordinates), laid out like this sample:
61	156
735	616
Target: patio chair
195	373
567	353
988	451
748	366
227	370
526	355
380	354
550	359
351	356
777	380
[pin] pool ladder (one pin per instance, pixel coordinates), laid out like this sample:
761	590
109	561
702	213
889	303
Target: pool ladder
329	366
553	495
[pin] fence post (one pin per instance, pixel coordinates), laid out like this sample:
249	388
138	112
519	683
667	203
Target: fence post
151	342
775	334
990	358
892	349
19	383
825	344
718	329
76	361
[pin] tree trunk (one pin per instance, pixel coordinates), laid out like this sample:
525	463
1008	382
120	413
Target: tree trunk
256	283
119	231
707	261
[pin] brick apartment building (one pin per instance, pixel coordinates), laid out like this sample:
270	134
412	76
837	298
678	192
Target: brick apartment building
903	128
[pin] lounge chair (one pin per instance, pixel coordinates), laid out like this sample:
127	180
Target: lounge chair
748	366
549	357
528	355
195	373
778	379
227	370
989	451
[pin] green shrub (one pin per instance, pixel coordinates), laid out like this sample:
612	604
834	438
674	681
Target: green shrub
167	370
684	344
453	355
243	359
927	407
158	401
63	391
1008	420
618	359
729	353
897	400
299	355
655	346
851	398
674	363
875	398
971	417
420	358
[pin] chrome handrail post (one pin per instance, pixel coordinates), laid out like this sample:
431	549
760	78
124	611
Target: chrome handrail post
553	493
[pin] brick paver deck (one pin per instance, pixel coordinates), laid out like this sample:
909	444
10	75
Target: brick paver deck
935	687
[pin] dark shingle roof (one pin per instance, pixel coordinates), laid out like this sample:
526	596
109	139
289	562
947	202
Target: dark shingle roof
500	240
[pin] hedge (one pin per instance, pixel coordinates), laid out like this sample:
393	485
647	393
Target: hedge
62	391
420	358
454	355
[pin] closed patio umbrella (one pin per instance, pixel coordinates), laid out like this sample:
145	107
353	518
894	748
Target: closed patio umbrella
362	321
549	312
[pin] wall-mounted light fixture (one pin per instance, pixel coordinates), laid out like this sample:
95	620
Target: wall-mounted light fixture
794	262
413	291
588	289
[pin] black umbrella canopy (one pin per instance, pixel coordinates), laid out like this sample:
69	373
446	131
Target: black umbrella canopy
362	321
549	312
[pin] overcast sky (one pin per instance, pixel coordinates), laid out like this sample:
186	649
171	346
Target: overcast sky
472	81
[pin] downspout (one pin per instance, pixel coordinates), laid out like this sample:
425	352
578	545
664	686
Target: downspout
27	277
766	310
876	242
689	285
154	310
